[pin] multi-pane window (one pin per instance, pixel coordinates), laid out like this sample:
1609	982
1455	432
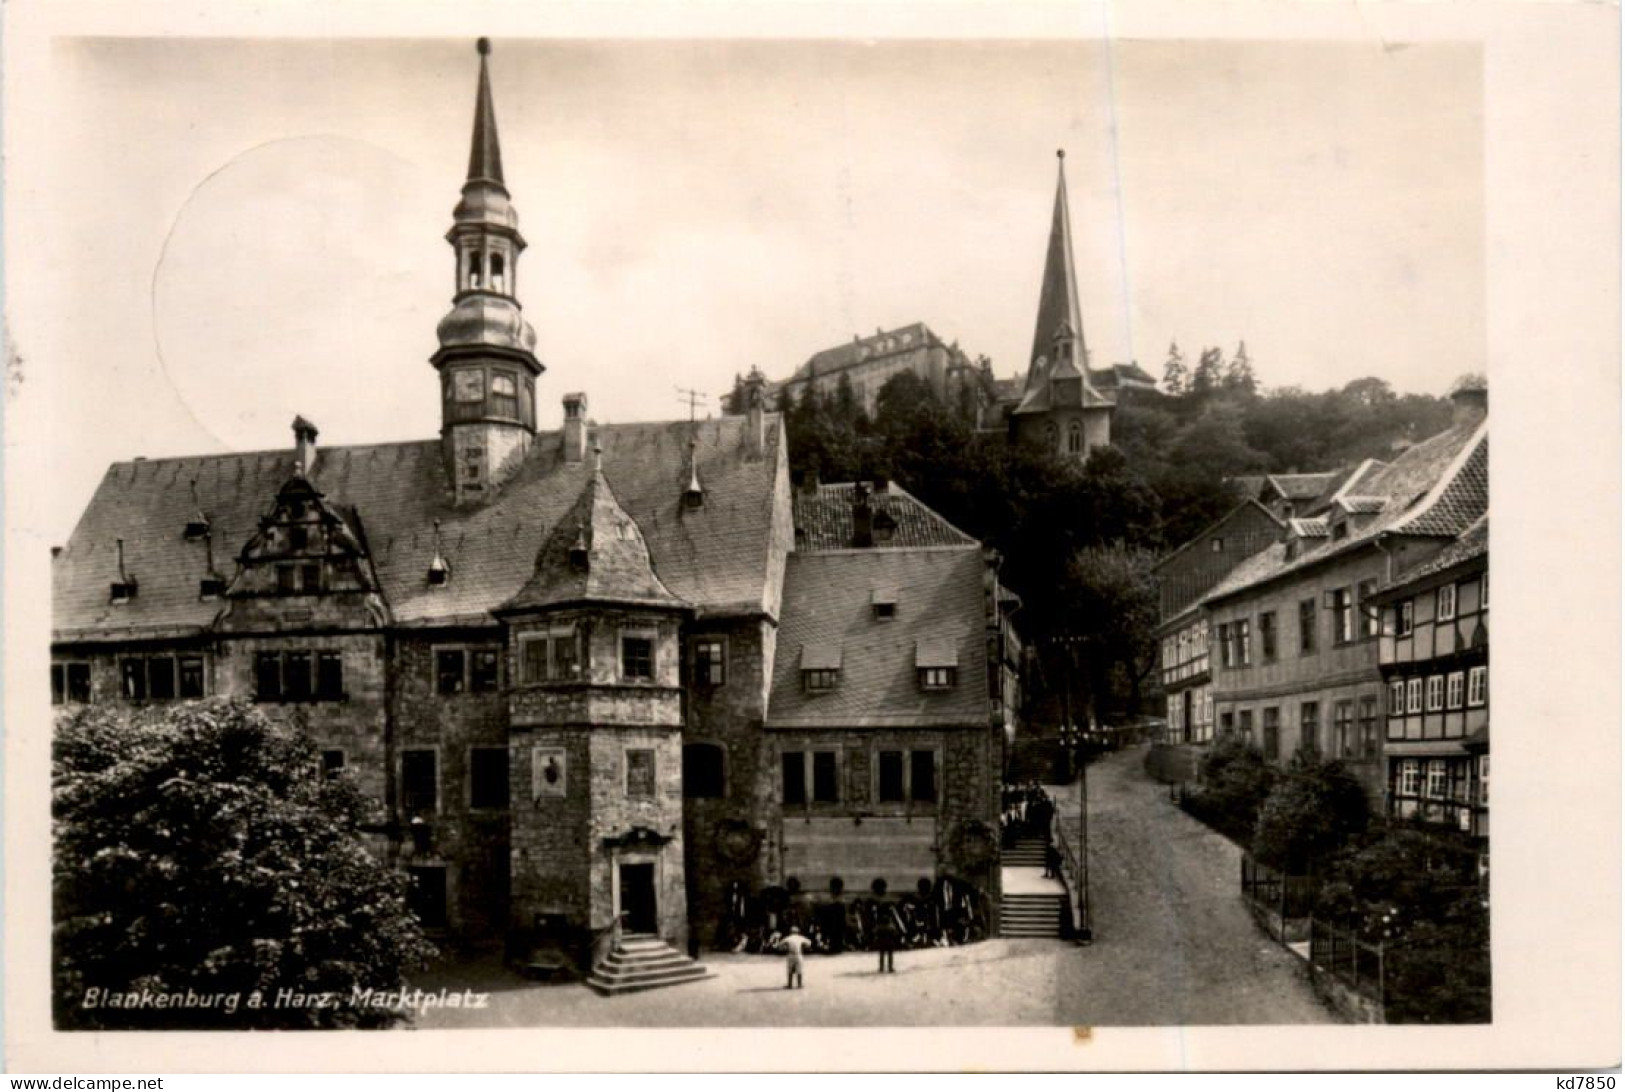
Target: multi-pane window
637	657
811	775
1413	696
504	393
1244	721
1410	777
420	780
1455	688
1369	742
1272	731
820	678
1266	634
299	675
710	657
488	778
1227	725
467	670
704	771
1438	784
450	671
1435	693
1484	780
640	772
1396	697
1404	617
1227	651
1309	726
1478	685
1244	644
1342	616
936	678
484	670
70	682
1369	615
552	656
1308	625
1343	728
153	678
1447	603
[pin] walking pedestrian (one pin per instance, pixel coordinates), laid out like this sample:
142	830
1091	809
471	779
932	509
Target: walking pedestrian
887	937
1052	861
794	945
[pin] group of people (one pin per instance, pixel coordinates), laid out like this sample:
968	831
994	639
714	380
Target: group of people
938	913
1027	811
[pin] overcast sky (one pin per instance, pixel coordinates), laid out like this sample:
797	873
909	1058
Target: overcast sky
254	229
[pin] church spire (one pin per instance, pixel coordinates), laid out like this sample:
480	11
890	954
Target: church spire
485	155
487	356
1058	293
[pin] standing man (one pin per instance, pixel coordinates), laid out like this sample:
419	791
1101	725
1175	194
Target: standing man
794	945
887	937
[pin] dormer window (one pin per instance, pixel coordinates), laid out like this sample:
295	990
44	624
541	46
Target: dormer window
822	678
1340	530
197	527
883	603
936	660
820	667
123	591
211	587
1218	545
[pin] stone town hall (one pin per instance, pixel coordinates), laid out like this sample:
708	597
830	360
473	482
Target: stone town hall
612	669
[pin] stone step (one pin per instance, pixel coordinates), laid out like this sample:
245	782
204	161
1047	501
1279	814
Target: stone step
622	960
609	974
610	987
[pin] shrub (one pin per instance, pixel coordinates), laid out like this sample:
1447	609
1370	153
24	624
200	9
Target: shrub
1311	812
198	848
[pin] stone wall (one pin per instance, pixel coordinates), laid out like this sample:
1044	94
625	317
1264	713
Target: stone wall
472	844
727	838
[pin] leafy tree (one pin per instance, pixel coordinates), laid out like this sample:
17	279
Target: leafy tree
1235	782
1175	376
1110	597
1314	809
1416	892
199	848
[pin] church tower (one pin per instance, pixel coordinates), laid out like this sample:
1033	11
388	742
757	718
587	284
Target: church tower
1060	408
486	360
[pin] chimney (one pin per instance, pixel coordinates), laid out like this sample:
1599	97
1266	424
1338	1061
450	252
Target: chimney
882	483
863	517
1471	399
575	427
755	417
304	447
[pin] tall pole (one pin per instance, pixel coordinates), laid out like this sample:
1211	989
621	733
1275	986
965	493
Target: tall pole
1087	935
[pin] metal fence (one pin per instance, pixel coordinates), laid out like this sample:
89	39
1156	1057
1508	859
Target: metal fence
1357	963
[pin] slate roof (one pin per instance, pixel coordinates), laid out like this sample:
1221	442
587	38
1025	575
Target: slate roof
594	554
716	557
1207	532
1437	488
824	519
1473	544
826	606
1298	487
1309	528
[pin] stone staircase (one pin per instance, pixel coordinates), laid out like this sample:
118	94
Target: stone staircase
1031	916
1026	853
642	961
1034	760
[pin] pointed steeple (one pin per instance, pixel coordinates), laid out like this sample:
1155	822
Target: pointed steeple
485	156
487	355
1058	293
596	553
